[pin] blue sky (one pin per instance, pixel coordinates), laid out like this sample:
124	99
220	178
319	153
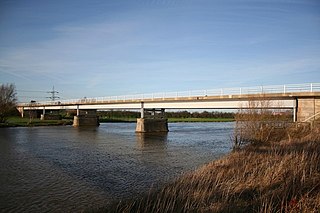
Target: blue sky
91	48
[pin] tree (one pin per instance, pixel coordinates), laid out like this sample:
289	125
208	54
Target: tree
7	100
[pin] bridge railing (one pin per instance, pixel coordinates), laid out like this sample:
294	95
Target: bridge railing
289	88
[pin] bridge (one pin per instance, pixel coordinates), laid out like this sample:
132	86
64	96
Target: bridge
302	99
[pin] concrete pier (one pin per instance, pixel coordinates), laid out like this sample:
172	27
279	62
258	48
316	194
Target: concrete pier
152	125
152	120
86	118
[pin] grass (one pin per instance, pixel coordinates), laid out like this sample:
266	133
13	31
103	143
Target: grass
22	122
271	177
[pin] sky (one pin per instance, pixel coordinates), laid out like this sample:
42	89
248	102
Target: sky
96	48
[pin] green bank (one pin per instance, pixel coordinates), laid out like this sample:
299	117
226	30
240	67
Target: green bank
27	122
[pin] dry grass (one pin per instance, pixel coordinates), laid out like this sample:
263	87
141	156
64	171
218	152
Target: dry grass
275	177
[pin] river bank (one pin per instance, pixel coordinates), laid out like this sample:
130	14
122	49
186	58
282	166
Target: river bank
273	177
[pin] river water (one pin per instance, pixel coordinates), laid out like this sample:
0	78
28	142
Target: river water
55	169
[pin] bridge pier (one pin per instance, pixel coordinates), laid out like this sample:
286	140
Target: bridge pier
21	110
85	118
152	120
145	125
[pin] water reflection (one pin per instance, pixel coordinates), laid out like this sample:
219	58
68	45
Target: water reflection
152	140
87	128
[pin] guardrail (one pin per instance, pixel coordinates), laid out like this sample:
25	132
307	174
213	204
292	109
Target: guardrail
284	89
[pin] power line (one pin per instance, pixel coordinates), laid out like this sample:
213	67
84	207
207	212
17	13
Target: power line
21	96
31	91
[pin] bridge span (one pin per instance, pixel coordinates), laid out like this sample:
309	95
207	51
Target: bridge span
302	99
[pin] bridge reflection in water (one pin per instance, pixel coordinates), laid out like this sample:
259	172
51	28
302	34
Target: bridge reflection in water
150	141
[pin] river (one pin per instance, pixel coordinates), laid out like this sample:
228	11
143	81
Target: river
62	168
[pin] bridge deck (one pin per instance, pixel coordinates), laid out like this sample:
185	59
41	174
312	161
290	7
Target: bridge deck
275	100
279	96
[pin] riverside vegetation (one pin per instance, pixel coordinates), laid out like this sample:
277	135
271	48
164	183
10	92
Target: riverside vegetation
273	168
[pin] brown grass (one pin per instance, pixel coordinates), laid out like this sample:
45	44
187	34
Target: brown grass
273	177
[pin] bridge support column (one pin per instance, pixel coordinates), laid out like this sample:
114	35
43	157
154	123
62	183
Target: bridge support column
152	120
42	117
308	109
86	118
21	110
295	109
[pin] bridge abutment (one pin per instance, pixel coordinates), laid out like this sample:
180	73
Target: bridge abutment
86	118
308	109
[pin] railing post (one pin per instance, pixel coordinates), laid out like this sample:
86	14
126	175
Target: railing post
240	91
311	87
221	92
284	89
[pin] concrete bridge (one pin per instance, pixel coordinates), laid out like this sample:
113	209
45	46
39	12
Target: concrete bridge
302	99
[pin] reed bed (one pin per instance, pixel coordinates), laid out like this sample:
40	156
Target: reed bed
271	177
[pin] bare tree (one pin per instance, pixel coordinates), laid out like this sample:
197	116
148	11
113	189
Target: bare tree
259	123
7	100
